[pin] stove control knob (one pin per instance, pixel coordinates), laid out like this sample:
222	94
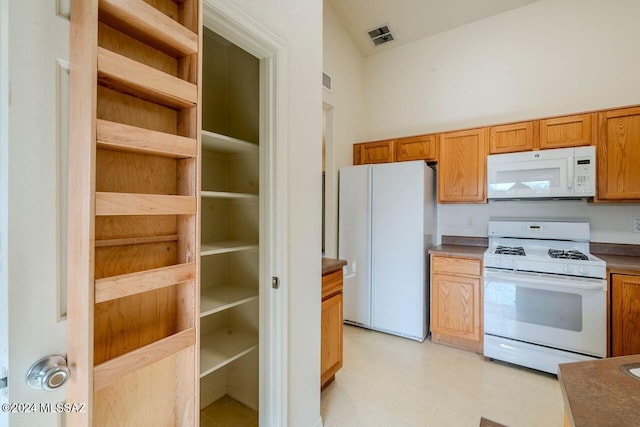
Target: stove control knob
566	269
580	269
498	262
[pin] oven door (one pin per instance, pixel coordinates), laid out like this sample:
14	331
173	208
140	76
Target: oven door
556	311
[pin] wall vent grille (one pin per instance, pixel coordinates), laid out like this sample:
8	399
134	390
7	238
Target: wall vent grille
326	81
380	35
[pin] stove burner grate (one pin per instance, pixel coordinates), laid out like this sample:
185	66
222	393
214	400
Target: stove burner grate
510	250
559	253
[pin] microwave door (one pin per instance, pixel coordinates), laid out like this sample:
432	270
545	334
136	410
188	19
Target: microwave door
538	178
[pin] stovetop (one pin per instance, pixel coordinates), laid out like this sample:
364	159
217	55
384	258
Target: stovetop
534	247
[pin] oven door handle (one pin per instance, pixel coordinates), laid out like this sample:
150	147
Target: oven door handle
590	284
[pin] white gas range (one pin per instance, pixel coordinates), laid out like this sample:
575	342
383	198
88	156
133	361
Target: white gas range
544	294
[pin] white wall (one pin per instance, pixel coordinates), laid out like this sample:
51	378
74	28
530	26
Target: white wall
345	64
299	24
549	58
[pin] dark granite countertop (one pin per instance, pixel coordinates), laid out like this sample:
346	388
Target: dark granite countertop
330	265
459	250
597	394
461	246
621	262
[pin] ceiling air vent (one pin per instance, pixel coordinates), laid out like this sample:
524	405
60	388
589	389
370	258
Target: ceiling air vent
380	35
326	81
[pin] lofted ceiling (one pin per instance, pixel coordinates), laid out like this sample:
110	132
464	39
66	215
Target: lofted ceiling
410	20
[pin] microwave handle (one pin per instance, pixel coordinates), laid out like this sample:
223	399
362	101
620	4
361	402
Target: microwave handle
570	172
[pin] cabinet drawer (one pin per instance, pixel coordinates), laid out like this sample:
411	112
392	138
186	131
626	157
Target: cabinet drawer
416	148
453	265
331	284
512	138
374	152
568	131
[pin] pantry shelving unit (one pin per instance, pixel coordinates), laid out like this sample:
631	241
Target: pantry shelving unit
230	198
134	211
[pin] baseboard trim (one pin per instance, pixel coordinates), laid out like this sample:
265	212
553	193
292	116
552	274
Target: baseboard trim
318	423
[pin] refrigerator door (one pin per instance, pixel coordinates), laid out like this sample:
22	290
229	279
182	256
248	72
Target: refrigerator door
398	249
354	242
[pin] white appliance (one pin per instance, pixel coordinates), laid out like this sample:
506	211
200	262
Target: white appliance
386	226
544	294
559	173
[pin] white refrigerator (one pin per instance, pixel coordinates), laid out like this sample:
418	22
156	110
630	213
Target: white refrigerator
386	226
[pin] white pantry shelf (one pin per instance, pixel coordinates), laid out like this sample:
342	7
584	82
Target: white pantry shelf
219	298
223	346
225	246
225	144
227	195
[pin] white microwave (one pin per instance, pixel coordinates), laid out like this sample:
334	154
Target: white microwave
559	173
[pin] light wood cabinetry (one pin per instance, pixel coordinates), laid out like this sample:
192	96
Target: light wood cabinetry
456	302
462	166
618	155
374	152
513	137
422	147
230	273
625	314
567	131
134	213
331	332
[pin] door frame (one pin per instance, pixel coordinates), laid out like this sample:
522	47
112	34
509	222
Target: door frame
236	26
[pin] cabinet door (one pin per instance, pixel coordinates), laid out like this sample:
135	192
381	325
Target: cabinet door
331	341
625	314
416	148
568	131
619	154
512	138
455	306
462	167
374	152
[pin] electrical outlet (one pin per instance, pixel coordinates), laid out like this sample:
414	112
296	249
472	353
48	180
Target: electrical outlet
636	225
469	221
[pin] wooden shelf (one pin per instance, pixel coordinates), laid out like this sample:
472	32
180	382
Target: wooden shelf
110	288
115	369
226	246
149	25
227	195
219	298
121	137
222	347
143	204
136	240
126	75
225	144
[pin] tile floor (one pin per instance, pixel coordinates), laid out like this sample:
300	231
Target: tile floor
392	381
228	412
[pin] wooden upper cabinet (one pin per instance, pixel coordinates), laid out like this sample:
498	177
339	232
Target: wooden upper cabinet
513	137
374	152
618	155
416	148
567	131
462	166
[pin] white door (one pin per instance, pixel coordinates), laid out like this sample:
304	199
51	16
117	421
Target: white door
354	242
398	257
34	42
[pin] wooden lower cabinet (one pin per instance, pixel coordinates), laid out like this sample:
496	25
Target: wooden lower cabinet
331	327
456	302
625	314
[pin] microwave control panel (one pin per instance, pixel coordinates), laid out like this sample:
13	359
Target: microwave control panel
585	175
